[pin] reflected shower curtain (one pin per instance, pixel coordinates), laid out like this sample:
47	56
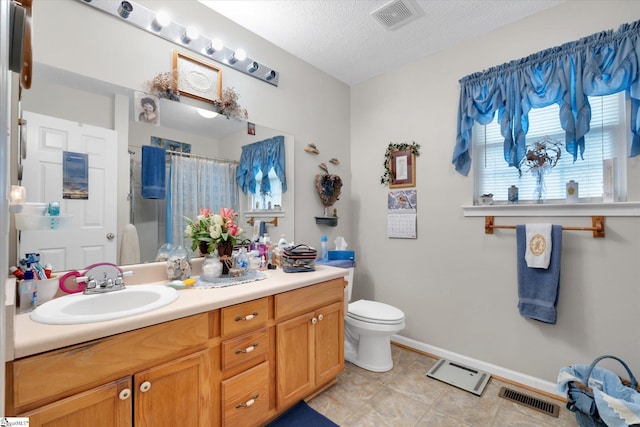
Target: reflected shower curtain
195	184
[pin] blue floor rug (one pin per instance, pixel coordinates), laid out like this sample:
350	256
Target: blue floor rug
302	415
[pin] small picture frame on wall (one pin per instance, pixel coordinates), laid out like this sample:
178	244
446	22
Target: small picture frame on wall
403	169
196	79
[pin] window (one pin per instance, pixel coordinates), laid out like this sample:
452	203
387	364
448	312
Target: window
607	139
266	200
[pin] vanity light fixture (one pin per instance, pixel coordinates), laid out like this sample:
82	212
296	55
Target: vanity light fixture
125	9
190	34
238	55
161	20
253	67
161	26
214	46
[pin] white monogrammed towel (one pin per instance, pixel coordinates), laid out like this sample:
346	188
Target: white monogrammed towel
538	252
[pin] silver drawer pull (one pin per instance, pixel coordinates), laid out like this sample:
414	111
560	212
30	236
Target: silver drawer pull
314	320
248	349
320	317
248	402
124	394
247	317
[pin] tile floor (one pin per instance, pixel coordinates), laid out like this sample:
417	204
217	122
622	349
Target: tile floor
405	396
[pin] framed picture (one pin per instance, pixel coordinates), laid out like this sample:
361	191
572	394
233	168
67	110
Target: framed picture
197	79
403	169
147	108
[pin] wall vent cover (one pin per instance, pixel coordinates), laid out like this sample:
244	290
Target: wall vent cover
460	376
531	402
397	13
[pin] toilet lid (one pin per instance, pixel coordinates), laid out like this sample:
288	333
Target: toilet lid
375	312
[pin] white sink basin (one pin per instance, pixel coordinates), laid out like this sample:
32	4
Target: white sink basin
79	308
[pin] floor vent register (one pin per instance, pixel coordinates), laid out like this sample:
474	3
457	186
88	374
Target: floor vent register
460	376
530	402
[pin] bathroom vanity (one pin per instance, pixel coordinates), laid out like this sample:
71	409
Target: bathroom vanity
234	356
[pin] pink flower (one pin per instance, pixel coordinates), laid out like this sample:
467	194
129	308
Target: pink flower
227	213
205	212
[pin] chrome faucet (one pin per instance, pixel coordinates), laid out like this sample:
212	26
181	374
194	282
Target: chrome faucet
106	284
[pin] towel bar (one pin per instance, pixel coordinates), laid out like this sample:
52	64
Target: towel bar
274	221
596	221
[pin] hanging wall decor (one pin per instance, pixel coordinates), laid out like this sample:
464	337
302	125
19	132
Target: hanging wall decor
399	165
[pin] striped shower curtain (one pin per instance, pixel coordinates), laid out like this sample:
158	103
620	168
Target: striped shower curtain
197	183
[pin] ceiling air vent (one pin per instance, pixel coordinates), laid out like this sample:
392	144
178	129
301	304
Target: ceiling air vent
397	13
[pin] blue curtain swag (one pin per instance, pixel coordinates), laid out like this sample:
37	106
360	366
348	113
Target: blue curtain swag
261	156
601	64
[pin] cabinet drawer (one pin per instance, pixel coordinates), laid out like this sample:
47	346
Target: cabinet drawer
309	298
244	317
245	397
245	350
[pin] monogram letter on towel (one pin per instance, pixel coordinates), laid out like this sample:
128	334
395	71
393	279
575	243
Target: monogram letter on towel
538	252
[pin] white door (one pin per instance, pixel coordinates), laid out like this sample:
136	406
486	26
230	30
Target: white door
89	237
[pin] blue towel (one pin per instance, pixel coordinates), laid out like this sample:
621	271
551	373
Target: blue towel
153	172
538	288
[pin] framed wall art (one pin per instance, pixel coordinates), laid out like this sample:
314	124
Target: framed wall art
402	167
197	79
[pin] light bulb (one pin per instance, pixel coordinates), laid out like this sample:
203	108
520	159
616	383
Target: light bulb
190	34
215	45
161	20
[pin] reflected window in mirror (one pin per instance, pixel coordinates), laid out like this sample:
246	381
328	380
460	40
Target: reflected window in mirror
271	199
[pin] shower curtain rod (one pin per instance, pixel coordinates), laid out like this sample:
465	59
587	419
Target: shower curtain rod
195	156
596	221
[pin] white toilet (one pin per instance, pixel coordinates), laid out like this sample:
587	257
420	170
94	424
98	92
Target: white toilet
368	326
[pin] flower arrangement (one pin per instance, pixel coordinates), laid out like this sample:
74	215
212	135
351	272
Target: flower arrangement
228	105
386	176
541	156
213	229
163	85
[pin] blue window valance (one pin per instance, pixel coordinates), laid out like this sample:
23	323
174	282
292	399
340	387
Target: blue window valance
262	156
601	64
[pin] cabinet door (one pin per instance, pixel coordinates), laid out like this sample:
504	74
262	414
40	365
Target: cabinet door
294	348
105	406
329	342
173	394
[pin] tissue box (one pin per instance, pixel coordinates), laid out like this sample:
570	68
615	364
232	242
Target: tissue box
342	255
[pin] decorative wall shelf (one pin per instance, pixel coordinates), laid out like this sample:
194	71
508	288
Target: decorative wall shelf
331	221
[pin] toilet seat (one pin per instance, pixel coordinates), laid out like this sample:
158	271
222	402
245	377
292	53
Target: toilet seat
375	312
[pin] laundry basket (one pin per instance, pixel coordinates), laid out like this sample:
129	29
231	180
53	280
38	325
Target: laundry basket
598	397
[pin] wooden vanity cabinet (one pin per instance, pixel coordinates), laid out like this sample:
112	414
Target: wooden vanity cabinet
240	365
175	393
309	340
154	376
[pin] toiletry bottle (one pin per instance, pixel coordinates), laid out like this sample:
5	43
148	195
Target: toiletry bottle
324	248
28	293
282	243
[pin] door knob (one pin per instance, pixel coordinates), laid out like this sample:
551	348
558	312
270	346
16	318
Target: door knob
110	236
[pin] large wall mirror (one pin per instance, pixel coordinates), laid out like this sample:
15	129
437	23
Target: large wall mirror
76	98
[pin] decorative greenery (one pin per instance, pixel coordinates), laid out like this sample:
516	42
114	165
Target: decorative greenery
541	156
213	228
163	85
415	149
228	105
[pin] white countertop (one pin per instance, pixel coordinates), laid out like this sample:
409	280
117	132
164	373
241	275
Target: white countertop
30	337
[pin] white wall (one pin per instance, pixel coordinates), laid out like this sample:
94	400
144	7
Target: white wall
307	104
456	285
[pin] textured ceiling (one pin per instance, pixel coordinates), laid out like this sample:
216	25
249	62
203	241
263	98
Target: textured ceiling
341	38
